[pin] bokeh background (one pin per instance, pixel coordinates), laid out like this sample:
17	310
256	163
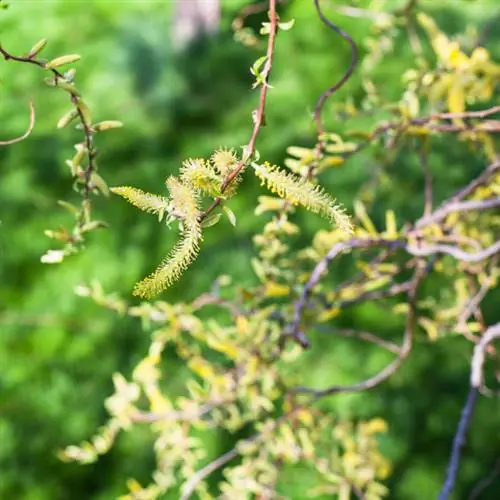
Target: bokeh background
58	351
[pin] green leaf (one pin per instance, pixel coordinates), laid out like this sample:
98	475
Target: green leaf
211	220
230	215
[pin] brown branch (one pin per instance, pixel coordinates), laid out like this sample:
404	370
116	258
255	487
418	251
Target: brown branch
366	336
89	143
392	291
391	368
259	114
334	88
294	329
28	130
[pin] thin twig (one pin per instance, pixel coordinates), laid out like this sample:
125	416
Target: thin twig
458	443
366	336
391	368
485	482
259	118
345	77
191	485
28	130
87	128
455	252
476	382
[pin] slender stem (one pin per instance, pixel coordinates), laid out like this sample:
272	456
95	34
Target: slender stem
259	114
28	130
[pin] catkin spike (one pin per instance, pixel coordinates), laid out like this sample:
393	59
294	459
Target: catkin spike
299	191
170	270
147	202
201	175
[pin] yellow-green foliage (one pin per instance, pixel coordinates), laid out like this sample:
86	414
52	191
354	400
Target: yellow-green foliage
300	191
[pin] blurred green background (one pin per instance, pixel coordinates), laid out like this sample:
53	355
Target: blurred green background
58	351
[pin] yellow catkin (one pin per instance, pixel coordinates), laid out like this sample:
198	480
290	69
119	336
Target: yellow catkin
299	191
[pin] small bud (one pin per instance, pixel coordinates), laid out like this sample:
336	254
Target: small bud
37	48
60	61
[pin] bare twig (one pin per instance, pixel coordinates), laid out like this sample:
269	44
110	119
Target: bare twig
87	128
463	206
476	382
334	88
366	336
172	416
391	368
424	162
485	482
455	252
28	130
219	462
458	443
321	267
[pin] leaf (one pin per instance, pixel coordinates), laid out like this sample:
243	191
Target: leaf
286	26
273	289
60	61
230	215
362	215
68	206
456	99
390	224
201	367
430	327
211	220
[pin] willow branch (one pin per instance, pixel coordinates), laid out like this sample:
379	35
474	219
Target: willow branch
476	382
455	252
388	370
485	482
28	131
87	127
366	336
458	443
345	77
259	118
219	462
